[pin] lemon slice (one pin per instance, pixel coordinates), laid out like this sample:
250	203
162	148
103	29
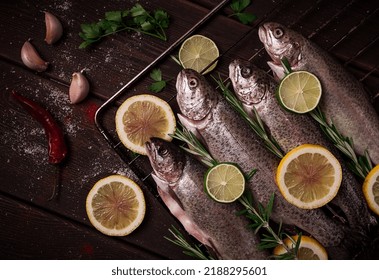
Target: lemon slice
309	248
371	189
115	205
141	117
309	176
224	182
197	52
299	92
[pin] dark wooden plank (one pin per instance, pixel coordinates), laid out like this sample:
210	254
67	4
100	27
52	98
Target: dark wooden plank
110	63
31	233
26	177
26	174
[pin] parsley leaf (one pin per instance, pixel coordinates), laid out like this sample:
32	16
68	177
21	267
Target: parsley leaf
159	84
156	75
238	7
136	19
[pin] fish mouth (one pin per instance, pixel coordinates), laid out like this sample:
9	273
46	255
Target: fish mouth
262	34
179	79
149	150
266	39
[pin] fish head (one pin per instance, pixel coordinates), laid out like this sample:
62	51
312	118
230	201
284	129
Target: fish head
166	159
195	96
281	42
250	83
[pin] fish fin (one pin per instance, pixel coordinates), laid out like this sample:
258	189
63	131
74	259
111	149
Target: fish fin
277	70
176	209
163	185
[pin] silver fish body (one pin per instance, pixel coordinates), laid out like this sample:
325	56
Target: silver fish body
344	102
255	88
228	138
180	184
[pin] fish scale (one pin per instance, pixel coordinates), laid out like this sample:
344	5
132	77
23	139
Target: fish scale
179	180
256	89
229	139
344	100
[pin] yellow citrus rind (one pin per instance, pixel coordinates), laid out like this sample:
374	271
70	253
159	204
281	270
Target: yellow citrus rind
309	176
141	117
309	248
371	189
115	205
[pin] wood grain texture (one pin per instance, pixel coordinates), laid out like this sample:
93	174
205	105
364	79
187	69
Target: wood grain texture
32	227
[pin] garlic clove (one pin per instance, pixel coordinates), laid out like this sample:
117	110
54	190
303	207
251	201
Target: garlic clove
31	58
79	88
54	29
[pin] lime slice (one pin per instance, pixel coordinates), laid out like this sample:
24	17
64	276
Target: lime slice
309	176
309	248
197	52
115	205
141	117
299	92
371	189
224	182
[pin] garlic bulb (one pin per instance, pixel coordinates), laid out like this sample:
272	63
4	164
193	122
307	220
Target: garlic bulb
79	87
54	29
31	58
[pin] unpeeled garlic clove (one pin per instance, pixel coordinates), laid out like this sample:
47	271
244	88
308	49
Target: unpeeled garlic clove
54	29
79	88
31	58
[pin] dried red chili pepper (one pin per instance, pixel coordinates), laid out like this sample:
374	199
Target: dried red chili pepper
57	144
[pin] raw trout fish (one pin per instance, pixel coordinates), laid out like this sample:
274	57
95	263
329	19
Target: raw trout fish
179	179
344	102
256	89
229	139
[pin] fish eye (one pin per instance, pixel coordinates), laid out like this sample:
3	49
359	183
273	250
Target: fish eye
192	82
245	72
163	152
278	32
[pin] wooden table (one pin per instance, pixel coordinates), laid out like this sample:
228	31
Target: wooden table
31	227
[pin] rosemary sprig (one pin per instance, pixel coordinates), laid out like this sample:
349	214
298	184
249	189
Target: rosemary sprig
196	147
260	218
256	124
360	165
191	250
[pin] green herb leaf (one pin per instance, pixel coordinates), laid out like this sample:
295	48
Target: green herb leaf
136	19
156	75
245	18
114	16
157	86
162	18
90	31
191	250
137	10
259	218
238	7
